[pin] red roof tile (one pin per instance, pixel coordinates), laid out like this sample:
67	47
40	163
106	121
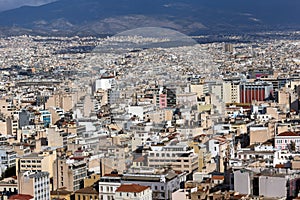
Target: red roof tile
131	188
139	159
217	177
21	197
279	166
288	133
87	190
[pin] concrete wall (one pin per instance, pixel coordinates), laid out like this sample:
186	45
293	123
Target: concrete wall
272	186
242	182
259	134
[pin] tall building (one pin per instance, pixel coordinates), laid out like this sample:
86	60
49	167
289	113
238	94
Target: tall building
114	159
7	158
12	125
231	91
105	83
228	47
69	174
65	101
25	117
162	101
171	97
36	184
258	91
45	117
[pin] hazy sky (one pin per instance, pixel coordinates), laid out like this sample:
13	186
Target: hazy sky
10	4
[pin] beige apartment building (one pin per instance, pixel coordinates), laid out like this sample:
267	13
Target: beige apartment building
115	159
180	157
7	106
259	134
3	126
62	100
69	174
231	90
37	162
159	116
198	89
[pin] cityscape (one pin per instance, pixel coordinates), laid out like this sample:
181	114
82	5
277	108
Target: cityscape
150	113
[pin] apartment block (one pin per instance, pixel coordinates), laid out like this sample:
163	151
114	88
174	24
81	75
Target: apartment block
69	174
180	157
36	184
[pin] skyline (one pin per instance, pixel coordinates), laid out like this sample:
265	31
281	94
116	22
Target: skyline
150	100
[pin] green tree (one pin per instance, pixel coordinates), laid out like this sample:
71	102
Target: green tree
9	172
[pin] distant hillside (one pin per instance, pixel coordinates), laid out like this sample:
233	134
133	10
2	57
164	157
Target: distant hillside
96	17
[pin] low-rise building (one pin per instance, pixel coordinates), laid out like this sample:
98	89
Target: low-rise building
162	182
9	186
108	185
134	192
88	193
287	140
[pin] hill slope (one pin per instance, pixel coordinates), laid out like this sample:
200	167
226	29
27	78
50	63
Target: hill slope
96	17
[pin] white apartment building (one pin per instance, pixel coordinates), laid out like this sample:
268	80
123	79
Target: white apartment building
108	185
7	158
231	92
285	139
36	184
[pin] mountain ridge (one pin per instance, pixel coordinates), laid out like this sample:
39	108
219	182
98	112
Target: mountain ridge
94	17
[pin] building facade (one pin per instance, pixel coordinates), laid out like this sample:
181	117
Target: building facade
36	184
258	91
134	192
